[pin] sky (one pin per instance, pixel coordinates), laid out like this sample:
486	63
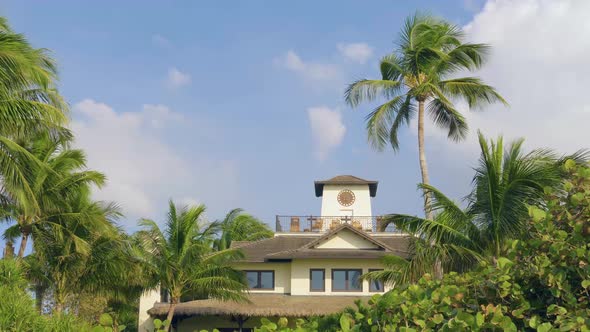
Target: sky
240	104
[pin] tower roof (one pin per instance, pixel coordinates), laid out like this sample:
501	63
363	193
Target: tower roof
345	180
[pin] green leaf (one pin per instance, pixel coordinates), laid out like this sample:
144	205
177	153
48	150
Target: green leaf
105	320
438	318
569	164
479	319
536	213
577	198
504	262
586	283
545	327
157	323
282	322
345	323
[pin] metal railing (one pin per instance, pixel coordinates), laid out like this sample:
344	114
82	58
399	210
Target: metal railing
320	224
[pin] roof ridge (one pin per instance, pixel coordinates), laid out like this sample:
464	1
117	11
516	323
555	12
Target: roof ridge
349	227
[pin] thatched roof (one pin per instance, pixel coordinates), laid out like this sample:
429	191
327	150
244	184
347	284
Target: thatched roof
263	305
344	180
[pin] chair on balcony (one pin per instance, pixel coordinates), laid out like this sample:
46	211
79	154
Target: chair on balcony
294	225
317	224
357	224
335	223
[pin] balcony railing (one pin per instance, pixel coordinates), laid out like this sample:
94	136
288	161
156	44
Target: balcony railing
317	224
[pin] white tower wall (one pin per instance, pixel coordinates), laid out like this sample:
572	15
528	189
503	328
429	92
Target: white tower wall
360	207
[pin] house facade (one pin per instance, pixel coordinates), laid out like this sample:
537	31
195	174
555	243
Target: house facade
312	266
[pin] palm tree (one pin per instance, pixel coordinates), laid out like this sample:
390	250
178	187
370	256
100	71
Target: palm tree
29	101
82	254
240	226
506	182
42	196
182	259
418	77
29	104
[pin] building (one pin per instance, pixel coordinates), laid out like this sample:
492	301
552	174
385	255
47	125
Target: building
312	266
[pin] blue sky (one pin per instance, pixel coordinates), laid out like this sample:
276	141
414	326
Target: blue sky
241	104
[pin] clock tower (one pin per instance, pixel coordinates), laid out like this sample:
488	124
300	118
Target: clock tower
346	195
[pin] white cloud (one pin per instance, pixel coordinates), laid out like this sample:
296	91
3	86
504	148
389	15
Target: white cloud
143	169
327	130
358	52
161	41
177	79
540	51
539	62
312	71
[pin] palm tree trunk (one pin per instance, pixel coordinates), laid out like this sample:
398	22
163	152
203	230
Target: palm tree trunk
23	244
39	293
438	271
422	153
173	302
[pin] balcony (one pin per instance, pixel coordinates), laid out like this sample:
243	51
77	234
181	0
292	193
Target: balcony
317	224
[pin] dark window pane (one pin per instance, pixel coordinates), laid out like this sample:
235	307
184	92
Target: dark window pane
376	286
317	280
252	279
354	277
266	280
339	280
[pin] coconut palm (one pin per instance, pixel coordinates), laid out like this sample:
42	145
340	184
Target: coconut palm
83	253
29	104
240	226
182	259
418	77
60	176
506	182
28	98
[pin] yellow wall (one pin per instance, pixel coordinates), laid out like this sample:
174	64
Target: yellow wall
282	275
346	239
300	274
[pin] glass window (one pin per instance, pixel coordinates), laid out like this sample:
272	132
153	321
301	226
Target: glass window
347	280
375	285
317	279
261	279
354	280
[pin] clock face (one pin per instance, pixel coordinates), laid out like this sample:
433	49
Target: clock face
346	197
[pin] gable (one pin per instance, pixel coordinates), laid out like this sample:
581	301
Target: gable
346	239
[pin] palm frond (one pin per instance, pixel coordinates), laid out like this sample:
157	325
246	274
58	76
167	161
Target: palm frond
473	90
369	90
381	119
448	118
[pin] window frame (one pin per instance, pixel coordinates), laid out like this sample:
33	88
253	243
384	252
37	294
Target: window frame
371	283
311	289
259	278
347	281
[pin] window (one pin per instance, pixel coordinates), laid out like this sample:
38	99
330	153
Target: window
375	285
261	279
347	280
317	279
